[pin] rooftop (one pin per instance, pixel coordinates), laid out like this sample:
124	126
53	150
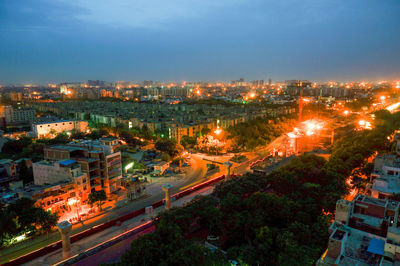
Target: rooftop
6	161
53	122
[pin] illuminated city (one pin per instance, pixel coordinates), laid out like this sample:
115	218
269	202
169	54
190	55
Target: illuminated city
200	133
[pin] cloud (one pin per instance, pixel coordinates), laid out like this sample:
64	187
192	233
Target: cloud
149	13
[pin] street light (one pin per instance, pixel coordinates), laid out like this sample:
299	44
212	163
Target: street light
74	202
129	166
311	125
218	131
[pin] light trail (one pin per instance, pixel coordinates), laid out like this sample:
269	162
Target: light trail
393	107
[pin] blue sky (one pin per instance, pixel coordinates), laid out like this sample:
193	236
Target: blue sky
59	40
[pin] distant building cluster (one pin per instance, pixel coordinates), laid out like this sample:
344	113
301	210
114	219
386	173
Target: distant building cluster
176	120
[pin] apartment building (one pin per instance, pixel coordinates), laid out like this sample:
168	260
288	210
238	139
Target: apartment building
366	231
8	172
385	178
98	159
57	197
45	172
178	131
45	129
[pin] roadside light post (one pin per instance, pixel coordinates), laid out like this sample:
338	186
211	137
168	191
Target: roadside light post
228	166
65	228
166	188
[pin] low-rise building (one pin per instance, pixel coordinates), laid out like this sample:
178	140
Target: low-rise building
385	178
44	129
8	172
366	231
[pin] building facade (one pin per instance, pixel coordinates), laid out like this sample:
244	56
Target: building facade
43	129
98	159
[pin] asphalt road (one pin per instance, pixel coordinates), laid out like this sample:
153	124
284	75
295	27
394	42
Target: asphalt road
113	253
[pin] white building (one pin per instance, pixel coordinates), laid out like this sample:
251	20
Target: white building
45	172
385	179
43	129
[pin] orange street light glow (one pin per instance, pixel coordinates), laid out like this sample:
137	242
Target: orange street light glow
218	131
362	123
72	201
311	125
309	132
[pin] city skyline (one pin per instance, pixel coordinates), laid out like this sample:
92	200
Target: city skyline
56	41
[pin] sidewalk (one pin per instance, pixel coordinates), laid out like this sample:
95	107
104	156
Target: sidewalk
88	242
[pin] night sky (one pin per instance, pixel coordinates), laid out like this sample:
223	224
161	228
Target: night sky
75	40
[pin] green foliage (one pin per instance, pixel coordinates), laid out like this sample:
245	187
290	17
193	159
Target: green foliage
22	217
98	133
188	142
165	157
16	146
25	173
257	132
170	147
97	197
130	137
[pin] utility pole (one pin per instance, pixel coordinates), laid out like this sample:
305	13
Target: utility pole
301	102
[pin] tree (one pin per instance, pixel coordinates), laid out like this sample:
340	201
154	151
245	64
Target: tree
14	147
77	135
47	221
129	137
166	246
165	157
61	138
205	131
25	173
96	134
97	197
22	217
170	147
188	141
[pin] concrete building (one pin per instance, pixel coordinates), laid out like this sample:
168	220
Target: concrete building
366	231
385	178
45	172
21	116
98	159
58	197
16	96
43	129
10	115
8	172
9	167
